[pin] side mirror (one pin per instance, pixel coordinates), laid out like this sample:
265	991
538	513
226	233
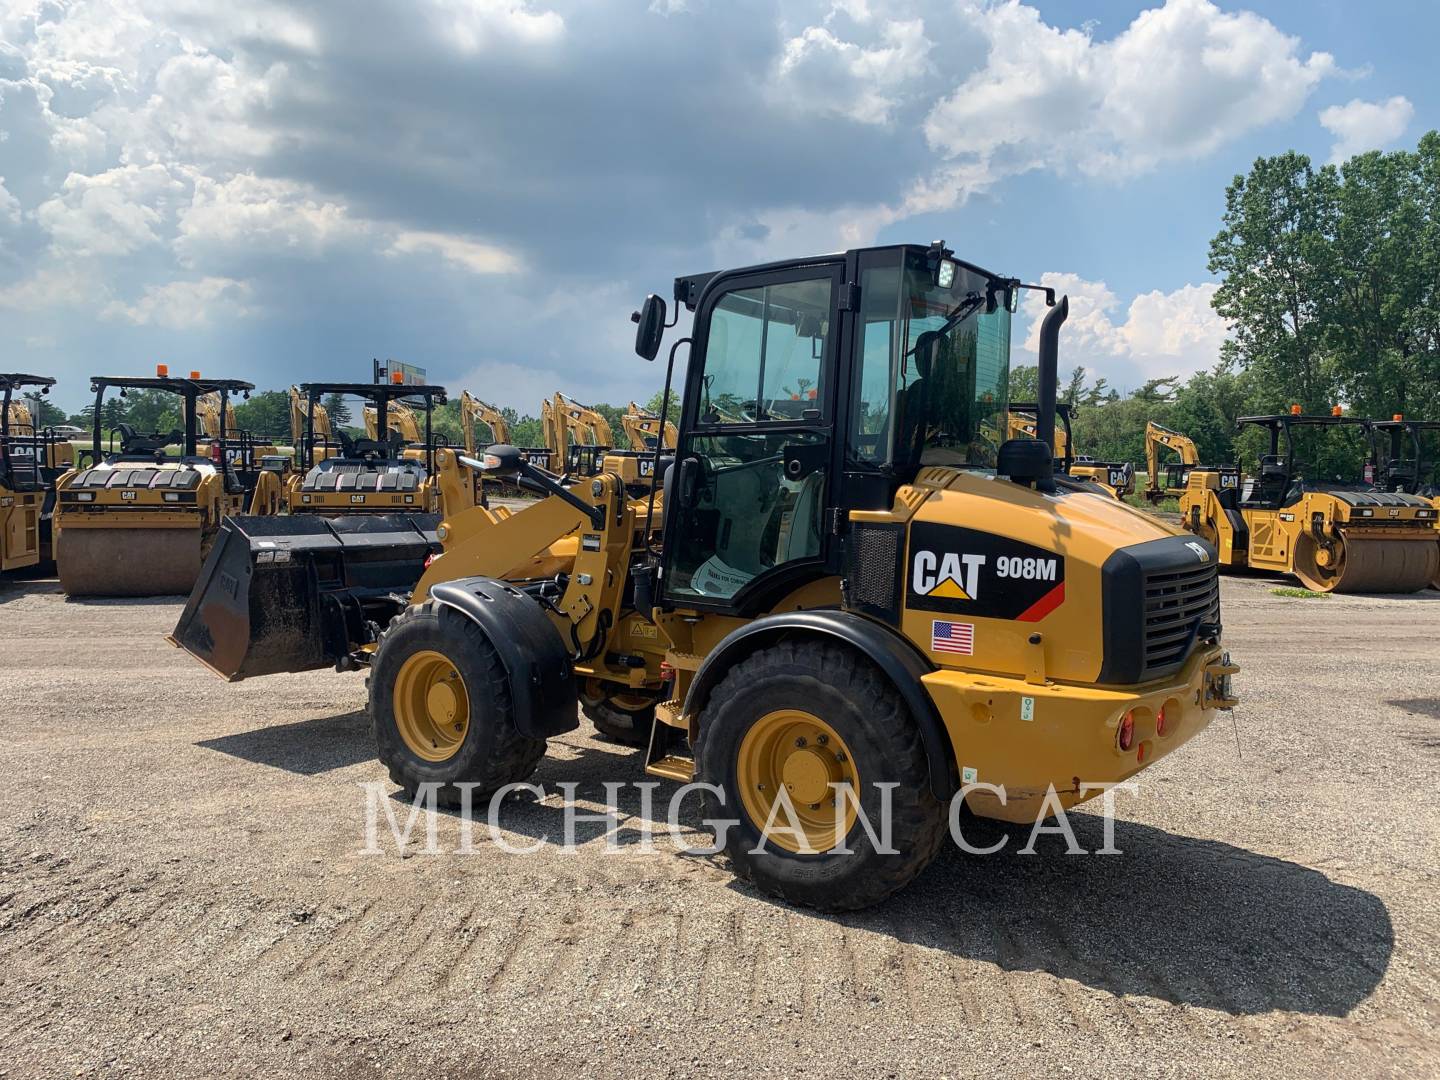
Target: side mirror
650	327
503	460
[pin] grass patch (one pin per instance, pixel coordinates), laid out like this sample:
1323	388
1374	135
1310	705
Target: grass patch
1300	594
1164	506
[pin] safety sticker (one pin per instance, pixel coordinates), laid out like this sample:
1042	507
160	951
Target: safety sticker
968	775
1027	708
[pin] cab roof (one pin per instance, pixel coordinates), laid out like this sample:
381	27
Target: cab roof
1279	419
13	380
168	384
375	391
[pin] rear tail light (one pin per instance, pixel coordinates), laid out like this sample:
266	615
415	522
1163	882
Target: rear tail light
1127	732
215	451
667	671
1160	722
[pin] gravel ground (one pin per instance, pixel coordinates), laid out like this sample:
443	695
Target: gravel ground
183	891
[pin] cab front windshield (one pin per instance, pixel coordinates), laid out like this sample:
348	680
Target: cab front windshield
934	371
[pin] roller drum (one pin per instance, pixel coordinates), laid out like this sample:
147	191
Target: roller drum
128	562
1370	566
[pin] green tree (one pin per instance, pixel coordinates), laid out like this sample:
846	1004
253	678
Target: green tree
1025	382
266	415
1273	253
339	410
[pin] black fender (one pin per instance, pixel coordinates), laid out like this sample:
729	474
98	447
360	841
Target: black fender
541	670
893	654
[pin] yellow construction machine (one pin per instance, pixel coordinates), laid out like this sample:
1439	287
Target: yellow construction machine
644	429
401	467
587	437
132	520
1167	480
32	459
1116	478
1405	457
1310	512
859	605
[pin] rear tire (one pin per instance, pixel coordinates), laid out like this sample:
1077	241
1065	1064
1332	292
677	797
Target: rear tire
486	749
847	696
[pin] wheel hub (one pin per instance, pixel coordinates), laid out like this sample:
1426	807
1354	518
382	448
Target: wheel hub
798	753
808	774
432	706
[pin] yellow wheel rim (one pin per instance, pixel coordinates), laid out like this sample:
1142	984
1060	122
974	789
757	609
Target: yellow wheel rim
797	752
432	706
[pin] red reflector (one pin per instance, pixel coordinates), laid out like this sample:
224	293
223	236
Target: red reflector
1127	732
1160	722
667	672
429	559
1140	754
215	451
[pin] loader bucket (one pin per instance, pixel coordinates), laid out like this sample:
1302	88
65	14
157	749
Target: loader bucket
301	592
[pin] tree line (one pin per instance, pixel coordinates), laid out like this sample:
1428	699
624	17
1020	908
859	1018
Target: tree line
1330	280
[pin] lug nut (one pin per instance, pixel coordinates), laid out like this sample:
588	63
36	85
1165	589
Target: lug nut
800	741
822	739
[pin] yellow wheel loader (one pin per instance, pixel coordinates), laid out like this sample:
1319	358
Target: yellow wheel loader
132	520
32	459
1116	478
860	605
1406	457
1310	512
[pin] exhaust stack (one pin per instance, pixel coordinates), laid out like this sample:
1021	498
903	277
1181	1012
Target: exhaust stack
1049	374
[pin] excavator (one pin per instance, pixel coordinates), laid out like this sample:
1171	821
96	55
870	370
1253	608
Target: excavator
473	411
1177	474
1405	457
1116	478
131	520
32	459
851	617
643	429
587	436
1308	513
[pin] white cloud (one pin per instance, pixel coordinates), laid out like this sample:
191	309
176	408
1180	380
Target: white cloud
250	213
9	205
820	72
475	25
115	212
1359	126
181	305
1177	83
468	254
1160	334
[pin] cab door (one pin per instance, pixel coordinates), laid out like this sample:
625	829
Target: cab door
745	513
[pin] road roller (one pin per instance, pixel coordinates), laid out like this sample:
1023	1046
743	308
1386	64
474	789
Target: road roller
1309	511
400	466
139	512
32	458
1406	457
862	604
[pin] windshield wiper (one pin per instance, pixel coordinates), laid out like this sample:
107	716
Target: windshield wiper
962	311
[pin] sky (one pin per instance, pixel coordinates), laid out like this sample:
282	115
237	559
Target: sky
487	188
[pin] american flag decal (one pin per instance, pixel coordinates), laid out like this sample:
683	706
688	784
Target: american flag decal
952	637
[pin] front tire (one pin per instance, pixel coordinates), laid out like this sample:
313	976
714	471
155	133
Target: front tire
805	716
440	707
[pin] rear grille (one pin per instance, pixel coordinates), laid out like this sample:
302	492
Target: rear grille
1175	600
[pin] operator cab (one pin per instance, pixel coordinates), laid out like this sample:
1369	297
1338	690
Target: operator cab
817	387
1306	453
390	458
128	445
